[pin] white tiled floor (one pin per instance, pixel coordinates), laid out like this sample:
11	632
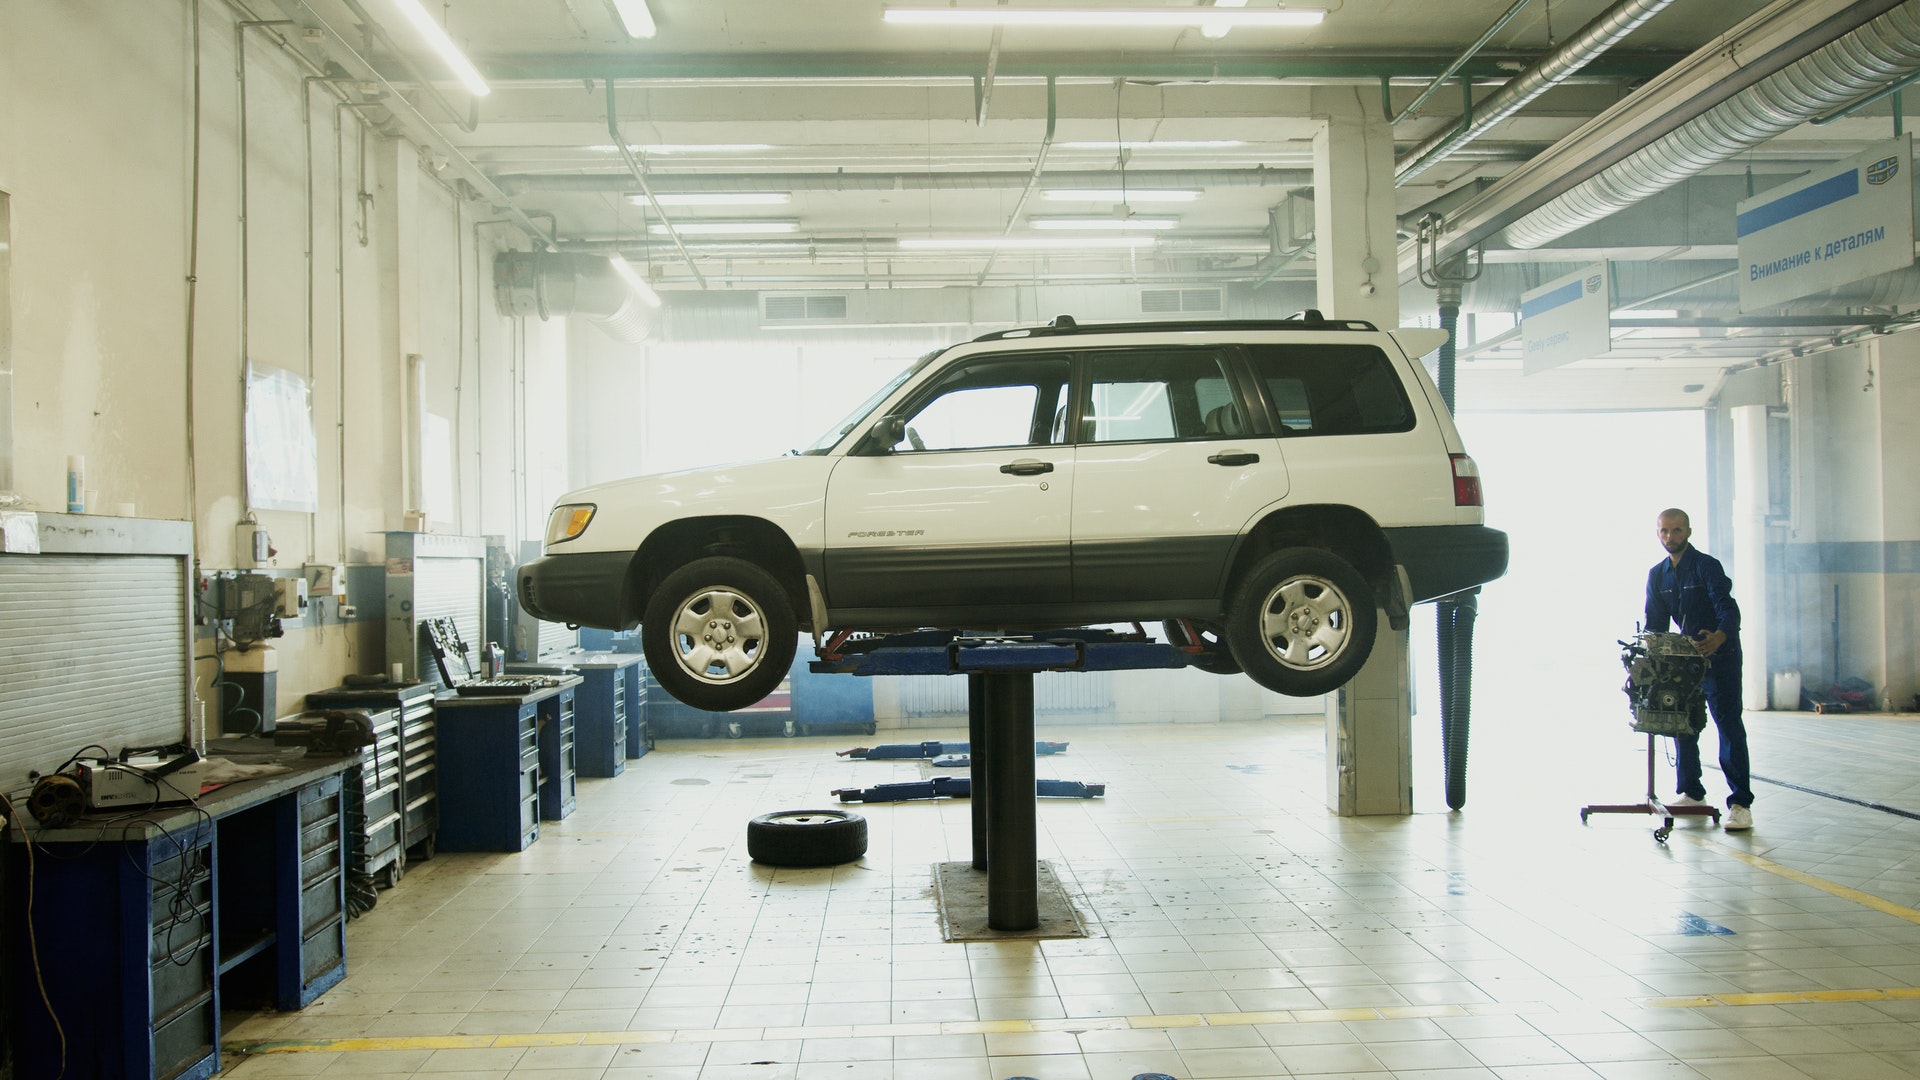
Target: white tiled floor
1239	929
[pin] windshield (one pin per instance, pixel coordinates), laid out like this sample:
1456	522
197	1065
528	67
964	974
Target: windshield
838	431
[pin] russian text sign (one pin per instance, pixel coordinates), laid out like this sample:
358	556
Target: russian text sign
1828	228
1566	320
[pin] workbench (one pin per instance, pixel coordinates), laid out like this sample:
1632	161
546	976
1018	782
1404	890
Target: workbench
146	925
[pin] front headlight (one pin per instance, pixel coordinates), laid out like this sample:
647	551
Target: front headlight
568	521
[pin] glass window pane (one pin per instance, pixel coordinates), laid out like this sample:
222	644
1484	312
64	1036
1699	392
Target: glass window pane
1332	389
1160	395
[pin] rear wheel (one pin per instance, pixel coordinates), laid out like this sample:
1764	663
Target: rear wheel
719	634
1302	622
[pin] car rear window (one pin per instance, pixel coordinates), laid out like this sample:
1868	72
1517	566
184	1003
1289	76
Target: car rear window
1164	394
1332	389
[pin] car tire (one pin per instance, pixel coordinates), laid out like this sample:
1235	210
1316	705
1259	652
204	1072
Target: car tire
719	634
807	838
1217	658
1302	622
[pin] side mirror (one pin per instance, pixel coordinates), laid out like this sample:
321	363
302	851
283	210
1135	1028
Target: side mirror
887	432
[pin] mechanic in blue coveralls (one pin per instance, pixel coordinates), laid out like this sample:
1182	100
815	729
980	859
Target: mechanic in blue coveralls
1691	588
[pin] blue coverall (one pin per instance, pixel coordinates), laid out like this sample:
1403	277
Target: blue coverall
1698	595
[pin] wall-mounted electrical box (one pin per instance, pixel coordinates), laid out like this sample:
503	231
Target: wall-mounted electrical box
290	597
255	548
327	581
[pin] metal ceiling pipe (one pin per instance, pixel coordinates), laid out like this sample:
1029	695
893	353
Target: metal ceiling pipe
1586	45
1847	68
558	284
1259	176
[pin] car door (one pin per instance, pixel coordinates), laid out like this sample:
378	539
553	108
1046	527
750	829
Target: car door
1350	434
970	507
1167	473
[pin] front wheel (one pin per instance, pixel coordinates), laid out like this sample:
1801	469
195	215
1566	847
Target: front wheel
719	634
1302	622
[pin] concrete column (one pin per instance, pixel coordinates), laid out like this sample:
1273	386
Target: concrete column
1355	265
1751	499
1370	733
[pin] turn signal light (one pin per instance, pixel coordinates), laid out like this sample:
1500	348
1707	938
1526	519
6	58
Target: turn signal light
1466	481
568	522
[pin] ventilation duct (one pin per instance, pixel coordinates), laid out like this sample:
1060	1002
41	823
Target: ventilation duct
559	284
1836	75
1583	48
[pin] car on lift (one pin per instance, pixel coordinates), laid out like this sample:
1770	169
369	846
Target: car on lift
1261	488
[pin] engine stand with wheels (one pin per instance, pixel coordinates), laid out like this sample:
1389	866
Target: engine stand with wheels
999	673
1653	805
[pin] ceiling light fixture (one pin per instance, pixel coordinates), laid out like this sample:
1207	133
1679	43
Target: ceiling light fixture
634	281
715	198
1021	243
449	53
1158	144
1103	18
1112	195
1105	224
684	148
637	18
726	228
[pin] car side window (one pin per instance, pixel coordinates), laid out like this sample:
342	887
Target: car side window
988	403
1332	389
1159	395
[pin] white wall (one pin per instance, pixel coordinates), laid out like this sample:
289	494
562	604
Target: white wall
337	281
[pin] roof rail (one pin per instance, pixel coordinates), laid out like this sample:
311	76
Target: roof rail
1064	325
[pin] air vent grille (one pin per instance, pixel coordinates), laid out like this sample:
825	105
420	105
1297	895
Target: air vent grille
1181	301
805	307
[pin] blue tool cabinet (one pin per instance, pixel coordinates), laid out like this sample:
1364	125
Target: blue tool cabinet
489	772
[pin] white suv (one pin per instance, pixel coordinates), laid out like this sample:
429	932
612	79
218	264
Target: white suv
1258	487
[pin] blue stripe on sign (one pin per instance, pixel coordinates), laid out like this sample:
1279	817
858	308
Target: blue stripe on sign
1805	201
1540	305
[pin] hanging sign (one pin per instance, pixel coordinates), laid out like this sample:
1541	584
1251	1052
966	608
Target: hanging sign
1566	320
1828	228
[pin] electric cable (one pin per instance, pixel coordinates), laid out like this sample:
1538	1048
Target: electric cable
33	939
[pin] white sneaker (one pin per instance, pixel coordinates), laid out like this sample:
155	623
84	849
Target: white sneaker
1738	819
1685	800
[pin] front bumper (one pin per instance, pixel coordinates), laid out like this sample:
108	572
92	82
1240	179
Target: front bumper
1444	559
588	589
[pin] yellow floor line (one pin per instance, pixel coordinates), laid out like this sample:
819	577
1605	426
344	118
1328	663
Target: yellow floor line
1023	1027
852	1031
1864	899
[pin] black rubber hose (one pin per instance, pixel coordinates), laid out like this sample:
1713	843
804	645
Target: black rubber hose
1454	615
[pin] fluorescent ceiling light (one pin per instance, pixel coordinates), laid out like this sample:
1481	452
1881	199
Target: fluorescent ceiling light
716	198
450	53
1110	17
1018	243
685	148
724	228
632	277
638	20
1157	144
1230	3
1105	224
1114	195
1648	313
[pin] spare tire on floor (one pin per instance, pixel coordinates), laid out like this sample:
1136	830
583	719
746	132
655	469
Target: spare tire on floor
807	837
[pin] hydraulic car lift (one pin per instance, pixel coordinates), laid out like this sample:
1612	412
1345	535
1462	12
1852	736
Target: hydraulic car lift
999	671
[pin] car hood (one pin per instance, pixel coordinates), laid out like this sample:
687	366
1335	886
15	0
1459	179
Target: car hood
788	491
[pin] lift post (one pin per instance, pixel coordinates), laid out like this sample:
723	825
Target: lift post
999	671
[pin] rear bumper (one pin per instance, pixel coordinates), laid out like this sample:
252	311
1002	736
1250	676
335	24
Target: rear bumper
1446	559
589	589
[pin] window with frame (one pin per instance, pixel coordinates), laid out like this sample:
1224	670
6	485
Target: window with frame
1159	395
999	402
1332	389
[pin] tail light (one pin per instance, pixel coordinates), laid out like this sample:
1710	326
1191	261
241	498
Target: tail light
1466	481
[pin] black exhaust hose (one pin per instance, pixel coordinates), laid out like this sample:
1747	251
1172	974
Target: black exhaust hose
1454	615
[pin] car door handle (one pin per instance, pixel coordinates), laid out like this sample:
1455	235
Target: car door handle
1233	457
1027	467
